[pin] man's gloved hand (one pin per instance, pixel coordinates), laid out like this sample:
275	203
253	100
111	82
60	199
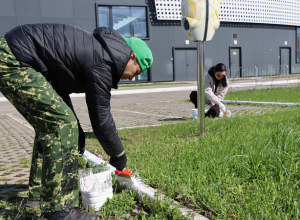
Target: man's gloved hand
222	107
119	162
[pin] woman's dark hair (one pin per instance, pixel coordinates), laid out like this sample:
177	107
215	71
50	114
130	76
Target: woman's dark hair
220	67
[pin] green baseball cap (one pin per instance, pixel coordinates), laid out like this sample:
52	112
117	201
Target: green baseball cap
142	51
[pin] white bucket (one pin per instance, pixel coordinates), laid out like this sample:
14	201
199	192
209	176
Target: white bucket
96	202
96	206
103	176
97	199
96	187
96	194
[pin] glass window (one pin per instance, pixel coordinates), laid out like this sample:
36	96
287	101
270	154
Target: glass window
128	21
298	45
143	76
103	16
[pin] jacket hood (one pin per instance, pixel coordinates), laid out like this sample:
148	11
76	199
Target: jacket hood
117	48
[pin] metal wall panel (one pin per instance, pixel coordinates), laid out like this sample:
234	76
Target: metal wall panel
87	24
7	23
260	44
7	8
57	9
84	9
58	20
28	8
27	20
161	43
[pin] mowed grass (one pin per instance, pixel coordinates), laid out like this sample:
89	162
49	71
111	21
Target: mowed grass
244	167
247	167
267	95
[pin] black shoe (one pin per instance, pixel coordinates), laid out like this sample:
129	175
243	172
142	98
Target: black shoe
69	214
32	204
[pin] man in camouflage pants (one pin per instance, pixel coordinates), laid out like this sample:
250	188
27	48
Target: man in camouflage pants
55	126
40	65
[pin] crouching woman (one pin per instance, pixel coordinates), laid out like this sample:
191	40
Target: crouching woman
216	87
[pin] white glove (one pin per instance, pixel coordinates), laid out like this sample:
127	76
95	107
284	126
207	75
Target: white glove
222	107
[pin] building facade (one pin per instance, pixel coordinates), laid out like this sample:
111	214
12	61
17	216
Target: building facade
252	32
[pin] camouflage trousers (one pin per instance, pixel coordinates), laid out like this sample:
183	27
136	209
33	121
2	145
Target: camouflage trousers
54	168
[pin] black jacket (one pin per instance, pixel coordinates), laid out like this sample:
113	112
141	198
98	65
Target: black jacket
74	61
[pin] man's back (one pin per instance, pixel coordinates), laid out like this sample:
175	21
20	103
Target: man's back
64	53
56	50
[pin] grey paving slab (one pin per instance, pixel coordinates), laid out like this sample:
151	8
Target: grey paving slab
16	147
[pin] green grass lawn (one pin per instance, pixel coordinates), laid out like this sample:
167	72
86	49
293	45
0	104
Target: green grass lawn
267	95
244	167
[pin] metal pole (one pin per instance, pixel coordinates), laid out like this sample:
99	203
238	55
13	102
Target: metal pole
201	84
256	75
287	76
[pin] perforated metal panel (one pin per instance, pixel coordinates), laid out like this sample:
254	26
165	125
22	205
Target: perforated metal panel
283	12
257	11
168	9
